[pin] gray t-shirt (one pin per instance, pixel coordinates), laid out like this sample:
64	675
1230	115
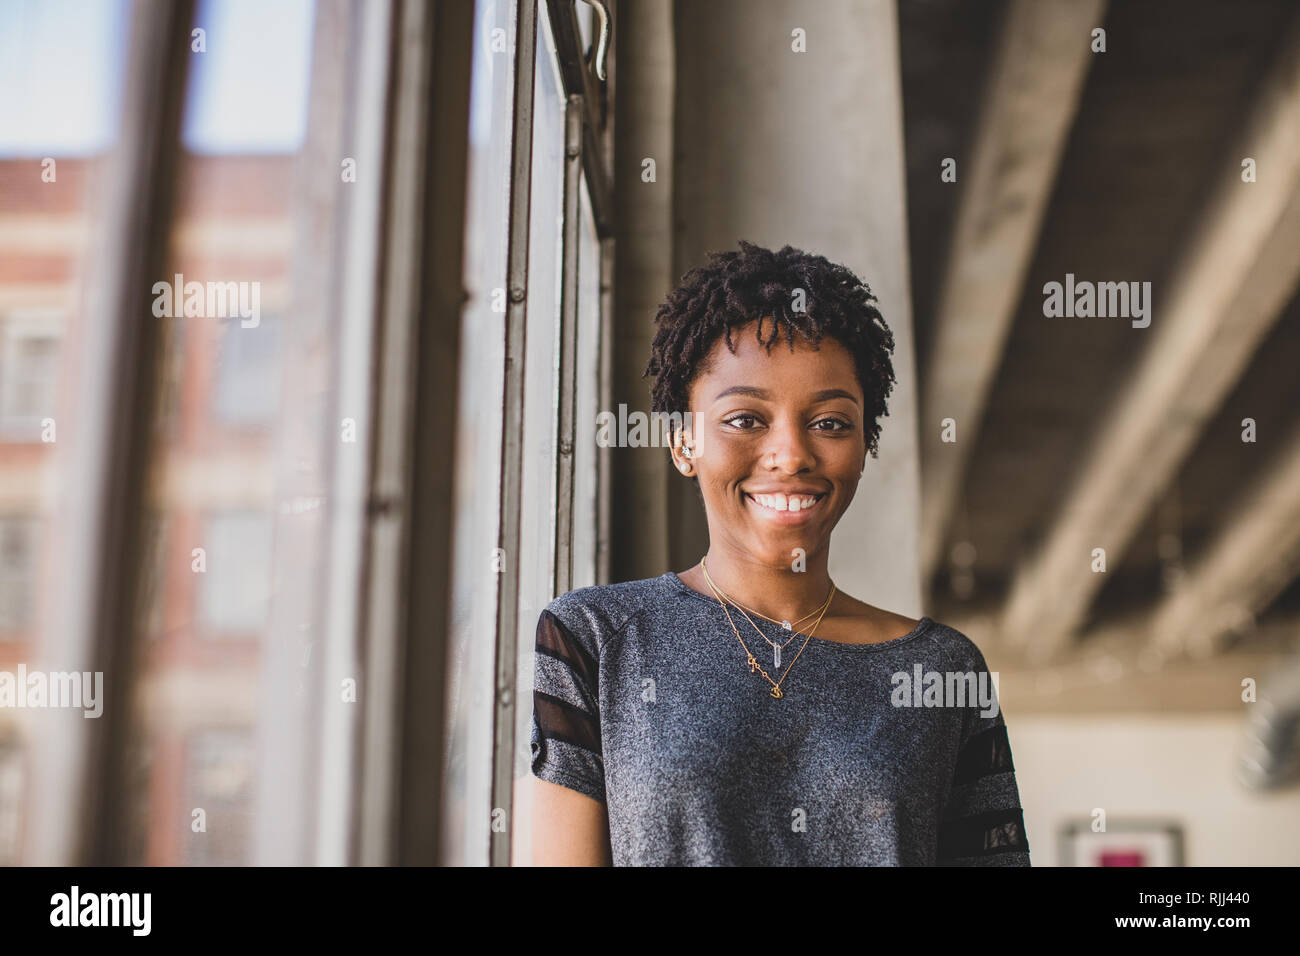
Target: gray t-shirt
643	699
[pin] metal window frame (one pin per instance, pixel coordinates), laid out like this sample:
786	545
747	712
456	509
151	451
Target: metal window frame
79	765
405	622
306	758
585	162
512	432
337	734
565	458
595	104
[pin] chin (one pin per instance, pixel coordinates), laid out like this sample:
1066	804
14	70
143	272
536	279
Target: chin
777	551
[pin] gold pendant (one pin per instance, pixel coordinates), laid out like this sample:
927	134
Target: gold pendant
776	692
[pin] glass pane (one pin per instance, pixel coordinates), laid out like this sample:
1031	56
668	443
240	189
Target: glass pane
60	113
252	431
467	778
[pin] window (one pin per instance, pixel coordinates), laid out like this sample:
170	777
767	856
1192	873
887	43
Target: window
245	410
235	586
215	808
257	418
549	461
19	541
11	793
29	373
247	388
467	773
538	505
60	119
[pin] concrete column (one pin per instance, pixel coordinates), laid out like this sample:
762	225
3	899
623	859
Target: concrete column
643	274
806	148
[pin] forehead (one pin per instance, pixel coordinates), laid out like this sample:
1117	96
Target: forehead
825	365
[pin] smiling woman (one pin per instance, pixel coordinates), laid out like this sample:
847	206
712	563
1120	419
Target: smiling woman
660	733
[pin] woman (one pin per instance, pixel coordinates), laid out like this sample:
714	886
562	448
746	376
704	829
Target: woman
746	710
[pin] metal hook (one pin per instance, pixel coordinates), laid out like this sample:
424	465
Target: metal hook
602	45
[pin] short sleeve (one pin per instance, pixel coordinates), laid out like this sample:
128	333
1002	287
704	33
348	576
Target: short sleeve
566	746
983	823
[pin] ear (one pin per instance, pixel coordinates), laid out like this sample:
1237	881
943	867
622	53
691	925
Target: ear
683	454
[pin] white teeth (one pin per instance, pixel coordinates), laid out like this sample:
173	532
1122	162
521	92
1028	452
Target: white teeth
779	502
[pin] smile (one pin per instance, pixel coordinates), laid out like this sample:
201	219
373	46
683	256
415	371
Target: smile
785	507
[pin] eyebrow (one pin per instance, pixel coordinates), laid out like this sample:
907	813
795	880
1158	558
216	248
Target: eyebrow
762	393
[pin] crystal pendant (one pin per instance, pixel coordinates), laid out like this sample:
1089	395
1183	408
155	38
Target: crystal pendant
787	625
776	656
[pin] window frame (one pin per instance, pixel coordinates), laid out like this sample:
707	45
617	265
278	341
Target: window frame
78	766
586	118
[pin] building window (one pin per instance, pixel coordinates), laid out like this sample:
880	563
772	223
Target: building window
247	389
218	782
29	373
19	544
235	588
11	794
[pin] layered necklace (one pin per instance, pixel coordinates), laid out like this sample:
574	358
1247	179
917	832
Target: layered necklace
776	648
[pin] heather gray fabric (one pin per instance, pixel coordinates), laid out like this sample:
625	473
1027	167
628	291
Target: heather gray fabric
643	700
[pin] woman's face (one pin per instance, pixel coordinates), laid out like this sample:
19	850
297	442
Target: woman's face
771	426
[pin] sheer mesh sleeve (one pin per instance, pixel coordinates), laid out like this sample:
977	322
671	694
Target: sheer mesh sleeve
566	747
983	823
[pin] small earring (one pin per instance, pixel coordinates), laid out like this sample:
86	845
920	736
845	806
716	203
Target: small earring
685	468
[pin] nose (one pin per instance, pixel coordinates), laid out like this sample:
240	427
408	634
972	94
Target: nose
787	449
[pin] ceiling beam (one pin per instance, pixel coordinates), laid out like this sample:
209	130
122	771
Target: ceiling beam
1256	555
1099	687
1029	102
1232	279
1117	669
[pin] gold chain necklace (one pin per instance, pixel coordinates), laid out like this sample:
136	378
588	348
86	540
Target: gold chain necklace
776	648
788	625
753	661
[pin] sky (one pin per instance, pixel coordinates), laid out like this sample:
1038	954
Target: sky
61	65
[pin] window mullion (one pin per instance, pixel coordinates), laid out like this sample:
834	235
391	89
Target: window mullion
566	453
78	774
512	431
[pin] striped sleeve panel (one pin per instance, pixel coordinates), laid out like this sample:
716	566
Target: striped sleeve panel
566	746
983	823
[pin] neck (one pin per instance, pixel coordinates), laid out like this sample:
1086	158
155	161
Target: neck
780	593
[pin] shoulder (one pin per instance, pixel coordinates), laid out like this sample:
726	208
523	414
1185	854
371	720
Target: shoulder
963	653
597	613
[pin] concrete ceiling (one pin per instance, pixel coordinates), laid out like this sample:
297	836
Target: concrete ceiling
1162	114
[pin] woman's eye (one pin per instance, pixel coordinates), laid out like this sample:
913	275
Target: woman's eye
740	418
838	423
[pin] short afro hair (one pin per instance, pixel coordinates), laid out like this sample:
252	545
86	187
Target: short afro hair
735	288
